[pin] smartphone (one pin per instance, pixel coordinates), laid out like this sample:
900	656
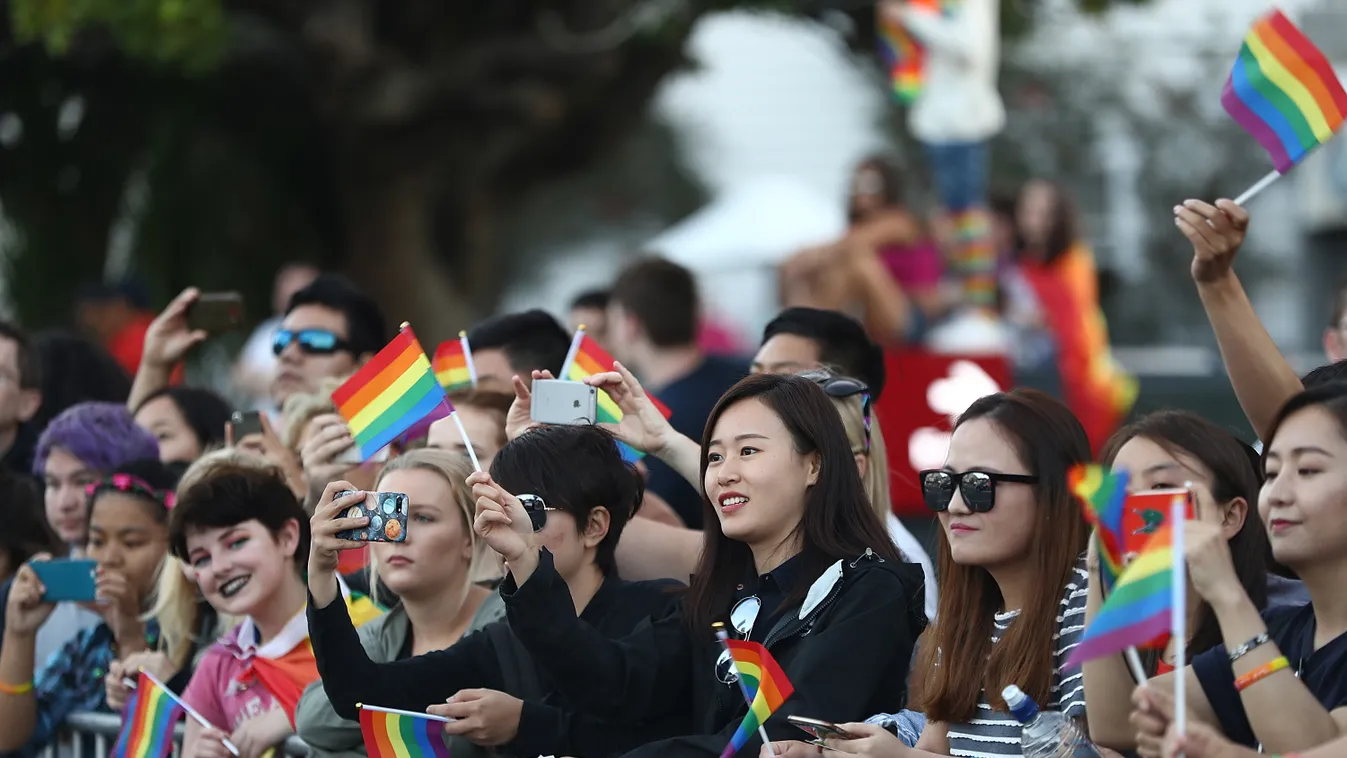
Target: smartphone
1145	512
67	579
244	423
818	729
387	512
556	401
216	312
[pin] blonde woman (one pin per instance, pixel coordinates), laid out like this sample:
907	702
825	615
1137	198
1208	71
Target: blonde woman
431	572
852	400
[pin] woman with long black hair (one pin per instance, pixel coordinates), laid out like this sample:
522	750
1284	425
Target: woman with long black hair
793	558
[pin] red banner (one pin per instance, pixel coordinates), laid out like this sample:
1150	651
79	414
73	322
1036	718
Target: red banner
923	395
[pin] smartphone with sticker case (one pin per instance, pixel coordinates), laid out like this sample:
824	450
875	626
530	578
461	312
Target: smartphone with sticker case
387	512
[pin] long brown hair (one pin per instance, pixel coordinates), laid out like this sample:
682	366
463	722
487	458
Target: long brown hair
837	522
1235	473
1049	441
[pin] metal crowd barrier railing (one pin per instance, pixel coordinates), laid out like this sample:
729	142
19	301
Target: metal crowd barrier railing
92	735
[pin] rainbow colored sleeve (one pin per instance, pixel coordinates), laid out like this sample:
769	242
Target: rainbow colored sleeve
1102	497
763	682
1283	91
401	735
1137	614
389	394
147	723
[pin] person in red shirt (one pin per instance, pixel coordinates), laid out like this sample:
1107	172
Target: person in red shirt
117	316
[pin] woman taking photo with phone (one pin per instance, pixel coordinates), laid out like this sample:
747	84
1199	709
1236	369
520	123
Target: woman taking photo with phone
793	558
127	521
1011	555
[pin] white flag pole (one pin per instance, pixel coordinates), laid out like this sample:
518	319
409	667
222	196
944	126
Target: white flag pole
1179	613
570	354
467	357
467	443
400	712
1258	187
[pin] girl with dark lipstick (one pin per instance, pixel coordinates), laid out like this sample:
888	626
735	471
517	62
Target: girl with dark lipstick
793	558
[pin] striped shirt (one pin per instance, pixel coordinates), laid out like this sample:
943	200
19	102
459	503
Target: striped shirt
994	733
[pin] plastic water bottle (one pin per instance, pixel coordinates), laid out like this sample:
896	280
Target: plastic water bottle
1046	734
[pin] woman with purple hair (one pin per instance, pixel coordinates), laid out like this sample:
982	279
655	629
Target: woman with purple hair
86	442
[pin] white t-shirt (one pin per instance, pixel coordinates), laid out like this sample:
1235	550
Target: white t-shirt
959	101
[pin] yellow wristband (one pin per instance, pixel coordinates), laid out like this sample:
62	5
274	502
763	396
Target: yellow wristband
16	689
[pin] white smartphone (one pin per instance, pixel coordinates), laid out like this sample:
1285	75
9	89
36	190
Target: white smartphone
561	402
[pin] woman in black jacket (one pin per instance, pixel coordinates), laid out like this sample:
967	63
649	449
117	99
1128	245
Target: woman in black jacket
793	558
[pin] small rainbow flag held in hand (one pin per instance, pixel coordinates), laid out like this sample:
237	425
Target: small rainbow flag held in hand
765	687
390	733
1137	614
453	364
586	359
1283	91
1102	496
148	721
388	395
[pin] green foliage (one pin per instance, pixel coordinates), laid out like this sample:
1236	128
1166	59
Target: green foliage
188	35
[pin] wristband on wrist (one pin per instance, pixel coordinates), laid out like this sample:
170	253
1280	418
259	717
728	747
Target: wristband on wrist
1257	640
1261	673
16	689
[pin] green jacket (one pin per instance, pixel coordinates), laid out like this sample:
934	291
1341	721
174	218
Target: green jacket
330	736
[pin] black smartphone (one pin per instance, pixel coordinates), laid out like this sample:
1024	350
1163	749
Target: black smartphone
818	729
216	312
387	512
244	423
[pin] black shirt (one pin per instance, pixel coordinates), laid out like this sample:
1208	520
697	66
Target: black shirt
772	590
546	727
691	398
1324	671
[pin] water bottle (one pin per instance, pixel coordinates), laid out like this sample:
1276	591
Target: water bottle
1046	734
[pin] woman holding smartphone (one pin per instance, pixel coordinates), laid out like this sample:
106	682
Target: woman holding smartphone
793	558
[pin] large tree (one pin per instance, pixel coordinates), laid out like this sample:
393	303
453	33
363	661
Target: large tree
211	140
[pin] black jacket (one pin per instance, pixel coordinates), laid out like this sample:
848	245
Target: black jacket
493	658
847	657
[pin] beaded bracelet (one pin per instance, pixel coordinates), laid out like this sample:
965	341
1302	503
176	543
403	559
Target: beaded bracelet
1261	673
16	689
1259	639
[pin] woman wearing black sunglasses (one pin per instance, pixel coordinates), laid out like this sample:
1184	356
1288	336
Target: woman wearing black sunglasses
793	558
1011	554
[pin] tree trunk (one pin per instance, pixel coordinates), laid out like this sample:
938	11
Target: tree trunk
390	253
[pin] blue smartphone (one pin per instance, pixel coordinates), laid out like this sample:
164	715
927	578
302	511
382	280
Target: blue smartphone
67	580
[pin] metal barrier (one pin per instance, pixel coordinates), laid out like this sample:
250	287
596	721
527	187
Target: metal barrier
92	735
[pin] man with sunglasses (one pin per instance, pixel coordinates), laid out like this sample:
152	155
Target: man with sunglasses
803	339
330	328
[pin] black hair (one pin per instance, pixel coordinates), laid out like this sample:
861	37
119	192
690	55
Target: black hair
1063	228
838	521
30	366
577	469
530	340
366	330
843	345
230	494
890	190
205	412
597	299
27	531
1328	373
662	295
151	471
75	370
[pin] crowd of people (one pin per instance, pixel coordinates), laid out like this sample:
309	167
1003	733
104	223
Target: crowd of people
560	601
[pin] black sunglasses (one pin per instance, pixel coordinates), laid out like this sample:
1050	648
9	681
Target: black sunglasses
537	510
978	488
310	341
841	387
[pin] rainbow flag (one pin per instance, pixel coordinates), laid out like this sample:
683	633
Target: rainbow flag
1137	614
147	722
453	364
389	394
763	683
1283	91
903	57
1102	496
586	359
391	733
